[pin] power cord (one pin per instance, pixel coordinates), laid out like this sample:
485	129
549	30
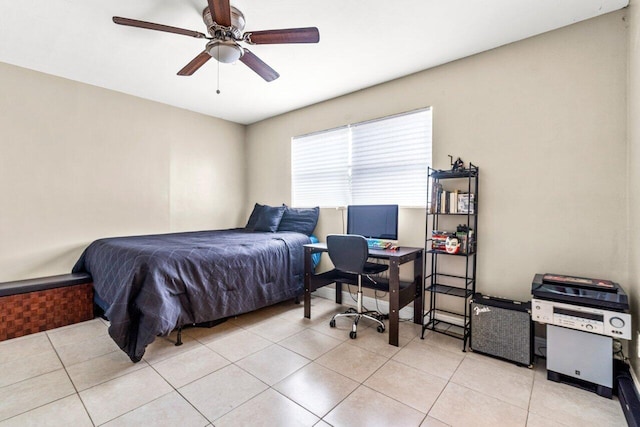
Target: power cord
543	351
384	316
376	296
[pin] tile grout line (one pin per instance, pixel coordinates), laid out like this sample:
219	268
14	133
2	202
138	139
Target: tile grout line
177	391
444	388
533	384
271	387
360	384
494	397
77	393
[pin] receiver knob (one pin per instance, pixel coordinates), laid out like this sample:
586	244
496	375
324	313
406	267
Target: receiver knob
589	326
616	322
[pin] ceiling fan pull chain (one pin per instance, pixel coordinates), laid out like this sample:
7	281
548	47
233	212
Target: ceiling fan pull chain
218	85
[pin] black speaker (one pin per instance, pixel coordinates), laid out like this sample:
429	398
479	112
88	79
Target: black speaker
502	328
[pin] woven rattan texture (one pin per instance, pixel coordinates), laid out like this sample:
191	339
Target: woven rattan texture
25	314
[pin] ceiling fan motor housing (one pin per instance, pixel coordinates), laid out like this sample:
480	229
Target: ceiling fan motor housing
217	31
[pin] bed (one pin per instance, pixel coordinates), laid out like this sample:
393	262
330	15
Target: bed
150	285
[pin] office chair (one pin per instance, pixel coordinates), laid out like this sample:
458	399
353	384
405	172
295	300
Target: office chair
349	254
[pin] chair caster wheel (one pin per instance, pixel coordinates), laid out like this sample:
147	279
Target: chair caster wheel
352	335
332	323
380	328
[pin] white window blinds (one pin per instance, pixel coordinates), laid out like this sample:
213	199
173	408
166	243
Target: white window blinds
320	169
378	162
390	159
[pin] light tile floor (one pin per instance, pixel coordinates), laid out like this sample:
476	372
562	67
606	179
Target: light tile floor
272	367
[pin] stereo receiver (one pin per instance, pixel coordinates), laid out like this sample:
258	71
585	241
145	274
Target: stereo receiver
598	321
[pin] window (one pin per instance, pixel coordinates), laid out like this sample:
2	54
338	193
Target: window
381	161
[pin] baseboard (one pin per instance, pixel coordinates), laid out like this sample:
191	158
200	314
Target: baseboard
370	303
454	320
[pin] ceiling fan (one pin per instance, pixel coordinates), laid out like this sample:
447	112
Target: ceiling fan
225	25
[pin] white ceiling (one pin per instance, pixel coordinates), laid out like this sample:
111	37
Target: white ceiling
362	43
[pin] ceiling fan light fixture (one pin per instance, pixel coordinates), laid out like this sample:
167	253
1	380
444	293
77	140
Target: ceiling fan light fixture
225	52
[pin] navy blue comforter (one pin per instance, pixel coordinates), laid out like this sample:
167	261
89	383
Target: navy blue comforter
153	284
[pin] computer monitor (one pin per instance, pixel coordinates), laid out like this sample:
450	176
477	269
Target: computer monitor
373	221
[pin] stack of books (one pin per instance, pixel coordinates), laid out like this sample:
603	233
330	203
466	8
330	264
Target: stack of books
464	235
439	239
451	202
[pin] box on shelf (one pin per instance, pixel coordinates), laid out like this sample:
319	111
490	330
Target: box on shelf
466	203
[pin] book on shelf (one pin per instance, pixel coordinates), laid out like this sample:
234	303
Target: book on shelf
436	191
453	201
445	202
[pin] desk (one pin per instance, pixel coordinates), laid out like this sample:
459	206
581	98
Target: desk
400	293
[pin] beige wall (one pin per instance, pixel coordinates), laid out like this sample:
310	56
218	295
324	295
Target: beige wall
633	235
78	163
544	118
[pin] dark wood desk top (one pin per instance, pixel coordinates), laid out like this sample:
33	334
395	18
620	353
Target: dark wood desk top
402	251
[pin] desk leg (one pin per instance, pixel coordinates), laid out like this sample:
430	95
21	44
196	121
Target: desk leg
418	303
307	283
394	301
338	286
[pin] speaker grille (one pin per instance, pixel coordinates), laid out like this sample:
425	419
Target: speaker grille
501	332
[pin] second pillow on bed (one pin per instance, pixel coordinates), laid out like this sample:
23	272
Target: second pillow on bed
269	218
300	220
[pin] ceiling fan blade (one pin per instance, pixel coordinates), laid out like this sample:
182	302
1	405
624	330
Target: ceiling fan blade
289	35
158	27
259	66
195	64
220	12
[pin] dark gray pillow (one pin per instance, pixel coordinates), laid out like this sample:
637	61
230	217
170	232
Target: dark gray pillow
269	218
300	220
253	218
